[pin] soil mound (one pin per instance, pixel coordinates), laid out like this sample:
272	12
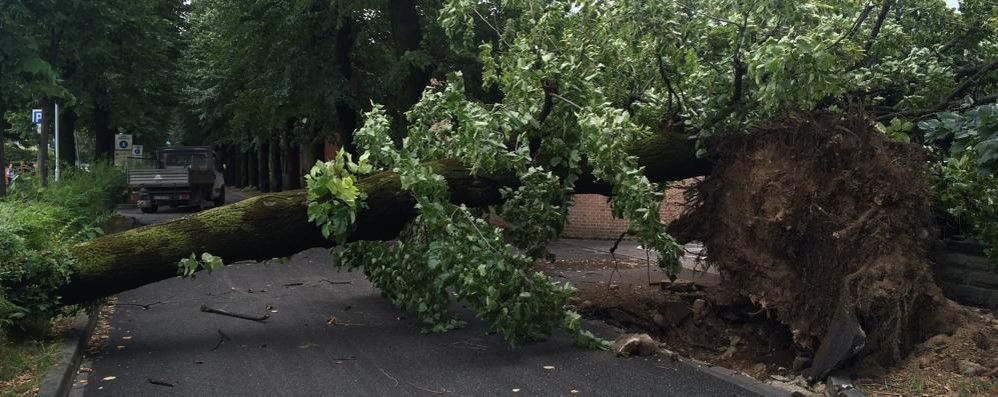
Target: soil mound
823	222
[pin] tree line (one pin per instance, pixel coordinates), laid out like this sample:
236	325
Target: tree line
112	66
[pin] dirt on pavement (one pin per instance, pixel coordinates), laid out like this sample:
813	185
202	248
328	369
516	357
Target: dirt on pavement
704	323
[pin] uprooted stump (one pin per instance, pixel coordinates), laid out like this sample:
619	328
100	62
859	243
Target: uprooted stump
821	218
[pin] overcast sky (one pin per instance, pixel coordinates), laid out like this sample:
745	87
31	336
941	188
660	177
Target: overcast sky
953	3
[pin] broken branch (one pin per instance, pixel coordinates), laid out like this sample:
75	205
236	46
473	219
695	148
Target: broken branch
208	309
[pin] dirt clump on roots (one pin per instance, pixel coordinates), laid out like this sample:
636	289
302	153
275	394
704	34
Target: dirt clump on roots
822	215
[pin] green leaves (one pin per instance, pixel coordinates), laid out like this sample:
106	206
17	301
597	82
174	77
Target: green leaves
375	139
606	134
971	198
968	183
333	197
190	265
537	211
975	130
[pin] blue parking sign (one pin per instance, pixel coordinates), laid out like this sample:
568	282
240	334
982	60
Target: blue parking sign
36	116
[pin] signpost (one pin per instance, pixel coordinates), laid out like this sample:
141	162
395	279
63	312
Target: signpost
137	151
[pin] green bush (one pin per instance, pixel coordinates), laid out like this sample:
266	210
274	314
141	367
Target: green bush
970	197
37	227
34	262
87	196
968	177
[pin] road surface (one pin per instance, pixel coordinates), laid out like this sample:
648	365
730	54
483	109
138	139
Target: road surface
331	333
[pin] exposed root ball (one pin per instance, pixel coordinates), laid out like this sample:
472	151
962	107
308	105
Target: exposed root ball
820	213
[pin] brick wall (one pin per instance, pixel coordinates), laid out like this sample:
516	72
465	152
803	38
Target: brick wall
591	218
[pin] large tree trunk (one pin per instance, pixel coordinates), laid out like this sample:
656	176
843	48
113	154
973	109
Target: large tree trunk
103	136
233	167
407	34
275	225
252	168
275	165
67	138
263	163
346	115
244	168
293	169
306	158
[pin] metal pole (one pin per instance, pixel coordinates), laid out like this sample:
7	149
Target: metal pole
56	142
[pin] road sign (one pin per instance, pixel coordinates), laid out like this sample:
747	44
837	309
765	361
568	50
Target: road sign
136	150
123	142
36	116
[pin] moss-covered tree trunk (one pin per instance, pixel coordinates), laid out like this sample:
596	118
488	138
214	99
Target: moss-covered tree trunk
275	225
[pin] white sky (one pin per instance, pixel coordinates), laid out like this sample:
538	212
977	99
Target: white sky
953	3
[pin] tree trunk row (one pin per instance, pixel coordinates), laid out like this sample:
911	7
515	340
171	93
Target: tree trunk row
273	166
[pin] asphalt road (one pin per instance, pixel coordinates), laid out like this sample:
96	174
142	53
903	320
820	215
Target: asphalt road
331	333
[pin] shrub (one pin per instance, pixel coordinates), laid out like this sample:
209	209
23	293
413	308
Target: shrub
34	262
970	197
37	227
87	196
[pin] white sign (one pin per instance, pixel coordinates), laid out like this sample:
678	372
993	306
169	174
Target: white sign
123	142
36	116
136	150
121	157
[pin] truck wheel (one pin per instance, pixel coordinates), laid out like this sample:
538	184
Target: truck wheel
220	200
149	210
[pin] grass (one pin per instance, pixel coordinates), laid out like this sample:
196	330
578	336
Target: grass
23	364
917	385
979	388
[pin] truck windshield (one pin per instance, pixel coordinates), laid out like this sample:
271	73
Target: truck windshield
192	160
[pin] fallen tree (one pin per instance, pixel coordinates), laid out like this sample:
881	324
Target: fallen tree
567	103
275	225
849	254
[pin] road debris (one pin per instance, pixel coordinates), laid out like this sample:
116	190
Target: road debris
208	309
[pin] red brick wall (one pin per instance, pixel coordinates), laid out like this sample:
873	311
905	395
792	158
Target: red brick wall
591	218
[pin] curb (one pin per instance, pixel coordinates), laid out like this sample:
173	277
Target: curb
59	379
744	382
736	378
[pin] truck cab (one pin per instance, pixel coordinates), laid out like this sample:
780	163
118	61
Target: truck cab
183	176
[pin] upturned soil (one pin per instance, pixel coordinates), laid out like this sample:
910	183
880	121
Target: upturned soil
822	215
817	225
